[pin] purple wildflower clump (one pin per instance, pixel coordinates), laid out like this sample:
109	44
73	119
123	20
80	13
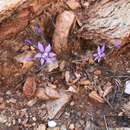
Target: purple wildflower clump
38	30
117	44
100	54
45	55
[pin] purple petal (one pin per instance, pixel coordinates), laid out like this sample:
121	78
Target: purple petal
50	60
38	55
48	48
117	44
28	42
99	50
99	59
40	47
51	54
44	55
38	30
27	59
102	55
103	48
96	58
42	61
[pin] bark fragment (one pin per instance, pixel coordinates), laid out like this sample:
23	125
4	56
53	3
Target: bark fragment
15	15
107	20
60	38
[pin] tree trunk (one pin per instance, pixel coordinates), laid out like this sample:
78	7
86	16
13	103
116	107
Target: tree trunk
15	15
107	20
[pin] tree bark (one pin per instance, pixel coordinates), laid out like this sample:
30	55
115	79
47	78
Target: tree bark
107	20
15	15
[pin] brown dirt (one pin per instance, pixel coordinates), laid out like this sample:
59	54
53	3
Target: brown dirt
81	108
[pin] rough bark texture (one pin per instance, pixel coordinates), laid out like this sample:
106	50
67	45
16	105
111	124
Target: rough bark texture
16	14
107	20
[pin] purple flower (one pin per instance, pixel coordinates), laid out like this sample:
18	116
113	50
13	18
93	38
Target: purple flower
38	31
45	55
100	53
117	44
28	42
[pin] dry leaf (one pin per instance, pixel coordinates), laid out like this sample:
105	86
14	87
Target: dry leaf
85	82
72	89
32	102
96	97
108	89
29	87
52	93
127	108
62	65
41	94
64	23
67	76
52	66
51	85
54	106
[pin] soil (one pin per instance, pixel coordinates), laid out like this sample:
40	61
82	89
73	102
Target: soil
16	114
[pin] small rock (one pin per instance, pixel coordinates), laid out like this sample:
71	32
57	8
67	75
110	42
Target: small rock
1	99
8	92
41	127
85	82
71	127
127	87
52	124
2	106
19	121
63	127
29	87
73	4
34	124
34	118
13	122
32	102
11	100
97	72
3	118
86	4
72	103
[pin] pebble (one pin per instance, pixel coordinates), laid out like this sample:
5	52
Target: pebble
52	124
41	127
11	100
13	122
3	118
32	102
71	127
63	127
34	118
127	87
19	121
8	92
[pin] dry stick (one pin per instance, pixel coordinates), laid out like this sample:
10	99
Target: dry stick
105	122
